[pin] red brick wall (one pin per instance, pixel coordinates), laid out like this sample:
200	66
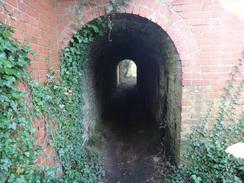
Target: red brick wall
40	30
208	35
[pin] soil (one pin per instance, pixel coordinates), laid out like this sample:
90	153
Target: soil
131	144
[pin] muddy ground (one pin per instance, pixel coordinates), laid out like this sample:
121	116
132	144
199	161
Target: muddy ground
133	151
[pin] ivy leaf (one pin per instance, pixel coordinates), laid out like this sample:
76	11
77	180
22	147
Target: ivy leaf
19	170
2	55
95	28
109	9
27	154
5	63
13	126
5	164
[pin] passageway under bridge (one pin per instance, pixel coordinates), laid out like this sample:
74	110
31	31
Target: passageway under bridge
131	140
128	116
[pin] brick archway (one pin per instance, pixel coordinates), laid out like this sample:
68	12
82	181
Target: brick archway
159	65
156	11
208	36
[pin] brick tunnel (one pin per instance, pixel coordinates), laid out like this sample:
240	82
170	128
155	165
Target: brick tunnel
121	122
128	119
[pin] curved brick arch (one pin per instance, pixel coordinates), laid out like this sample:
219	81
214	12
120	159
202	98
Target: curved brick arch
208	36
156	11
182	45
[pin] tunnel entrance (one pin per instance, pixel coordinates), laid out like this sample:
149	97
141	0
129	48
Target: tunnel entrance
124	120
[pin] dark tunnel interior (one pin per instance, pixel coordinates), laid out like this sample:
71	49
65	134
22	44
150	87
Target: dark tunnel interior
128	117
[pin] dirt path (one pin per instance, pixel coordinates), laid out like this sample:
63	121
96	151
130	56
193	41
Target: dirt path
130	142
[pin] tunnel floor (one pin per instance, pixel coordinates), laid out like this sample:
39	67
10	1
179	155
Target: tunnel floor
133	152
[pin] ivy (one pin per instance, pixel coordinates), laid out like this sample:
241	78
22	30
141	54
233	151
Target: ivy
78	164
18	153
116	5
205	159
64	125
63	110
58	101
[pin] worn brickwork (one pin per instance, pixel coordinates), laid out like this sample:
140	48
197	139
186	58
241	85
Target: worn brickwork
208	36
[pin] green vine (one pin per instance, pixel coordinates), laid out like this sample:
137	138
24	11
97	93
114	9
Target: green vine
18	153
78	163
116	5
205	159
58	102
50	100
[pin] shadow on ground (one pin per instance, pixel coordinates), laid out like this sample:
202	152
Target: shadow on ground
131	143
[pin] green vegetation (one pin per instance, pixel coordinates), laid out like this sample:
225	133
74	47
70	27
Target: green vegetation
51	100
205	159
18	109
59	104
